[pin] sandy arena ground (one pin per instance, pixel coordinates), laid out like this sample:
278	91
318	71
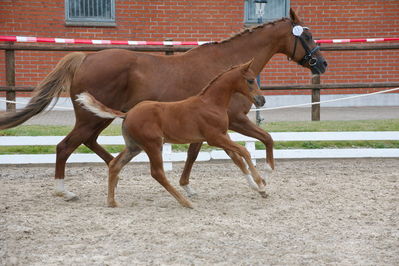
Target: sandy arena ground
318	212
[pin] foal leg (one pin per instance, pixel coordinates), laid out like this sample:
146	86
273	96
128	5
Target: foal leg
153	151
237	159
192	154
115	166
224	142
241	124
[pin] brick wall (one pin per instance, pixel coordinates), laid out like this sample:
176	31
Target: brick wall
205	20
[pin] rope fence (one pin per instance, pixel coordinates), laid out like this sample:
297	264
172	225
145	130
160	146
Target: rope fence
257	109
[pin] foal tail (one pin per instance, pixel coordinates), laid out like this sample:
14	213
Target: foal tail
57	81
90	103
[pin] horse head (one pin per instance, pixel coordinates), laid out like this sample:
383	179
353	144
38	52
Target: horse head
302	48
249	86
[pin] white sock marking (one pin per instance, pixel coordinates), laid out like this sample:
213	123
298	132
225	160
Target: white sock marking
60	190
251	182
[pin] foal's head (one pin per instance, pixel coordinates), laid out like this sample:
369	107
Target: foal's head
302	48
248	86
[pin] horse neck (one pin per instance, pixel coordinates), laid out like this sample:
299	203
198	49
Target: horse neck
219	92
261	44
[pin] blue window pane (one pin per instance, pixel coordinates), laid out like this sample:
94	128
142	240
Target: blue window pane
274	9
90	10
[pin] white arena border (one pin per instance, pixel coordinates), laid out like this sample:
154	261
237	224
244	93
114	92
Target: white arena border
170	156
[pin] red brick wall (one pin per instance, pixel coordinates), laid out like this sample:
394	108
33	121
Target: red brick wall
206	20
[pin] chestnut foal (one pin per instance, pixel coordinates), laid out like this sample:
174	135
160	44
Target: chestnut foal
199	118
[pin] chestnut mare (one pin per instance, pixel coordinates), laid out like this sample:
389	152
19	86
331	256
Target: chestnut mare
198	118
121	79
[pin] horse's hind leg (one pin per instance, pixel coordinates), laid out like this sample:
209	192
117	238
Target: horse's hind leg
93	145
115	166
64	149
81	133
192	154
152	148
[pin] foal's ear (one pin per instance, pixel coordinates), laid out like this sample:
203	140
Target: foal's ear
247	66
293	16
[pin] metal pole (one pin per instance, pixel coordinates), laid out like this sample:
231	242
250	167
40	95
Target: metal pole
316	98
259	118
10	79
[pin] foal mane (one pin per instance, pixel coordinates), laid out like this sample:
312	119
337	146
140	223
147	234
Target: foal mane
216	78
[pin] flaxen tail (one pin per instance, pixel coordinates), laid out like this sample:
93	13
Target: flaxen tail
90	103
57	81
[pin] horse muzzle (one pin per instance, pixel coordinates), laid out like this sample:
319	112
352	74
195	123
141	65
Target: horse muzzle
318	66
259	100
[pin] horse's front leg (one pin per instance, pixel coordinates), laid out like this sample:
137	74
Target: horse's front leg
192	155
243	125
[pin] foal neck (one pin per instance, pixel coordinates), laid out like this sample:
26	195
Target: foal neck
220	90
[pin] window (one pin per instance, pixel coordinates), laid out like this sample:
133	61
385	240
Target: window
274	9
90	12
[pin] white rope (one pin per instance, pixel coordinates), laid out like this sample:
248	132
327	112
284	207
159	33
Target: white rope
320	102
262	109
25	103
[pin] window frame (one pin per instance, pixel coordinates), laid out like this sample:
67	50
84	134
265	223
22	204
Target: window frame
90	21
252	22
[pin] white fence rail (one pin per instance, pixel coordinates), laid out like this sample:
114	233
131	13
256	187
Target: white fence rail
170	156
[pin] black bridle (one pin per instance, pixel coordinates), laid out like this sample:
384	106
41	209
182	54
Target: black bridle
308	58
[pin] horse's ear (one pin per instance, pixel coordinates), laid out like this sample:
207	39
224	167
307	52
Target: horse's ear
245	67
293	16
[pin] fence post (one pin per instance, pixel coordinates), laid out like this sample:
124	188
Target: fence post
169	52
316	98
10	79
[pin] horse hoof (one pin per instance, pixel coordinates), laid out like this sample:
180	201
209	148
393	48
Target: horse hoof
263	194
189	191
268	169
68	196
71	197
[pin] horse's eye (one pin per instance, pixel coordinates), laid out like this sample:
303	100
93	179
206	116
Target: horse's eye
250	81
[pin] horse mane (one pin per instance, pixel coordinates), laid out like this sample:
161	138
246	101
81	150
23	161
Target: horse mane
242	32
216	78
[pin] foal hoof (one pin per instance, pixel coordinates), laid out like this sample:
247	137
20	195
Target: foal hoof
263	194
113	204
188	205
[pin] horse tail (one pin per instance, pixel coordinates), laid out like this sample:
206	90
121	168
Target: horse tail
57	81
90	103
